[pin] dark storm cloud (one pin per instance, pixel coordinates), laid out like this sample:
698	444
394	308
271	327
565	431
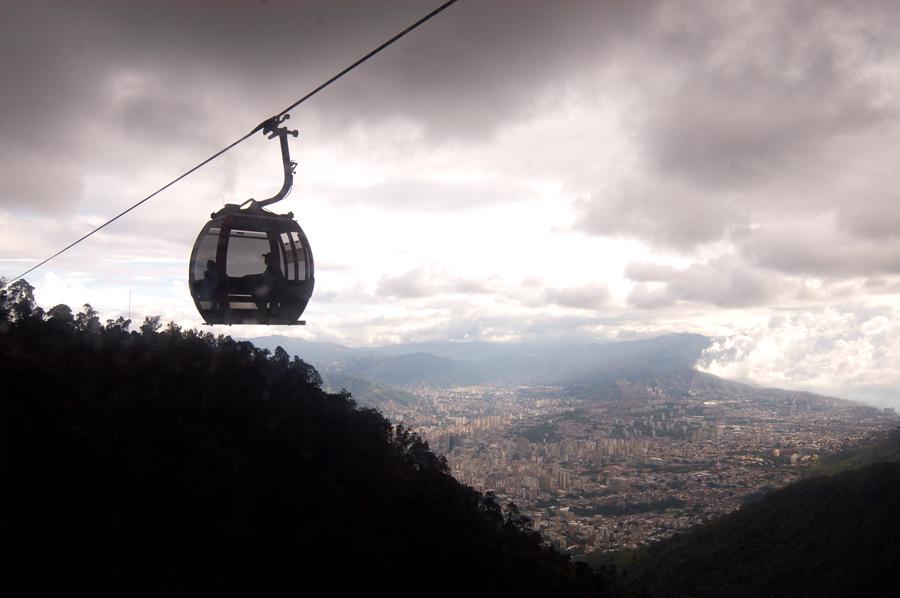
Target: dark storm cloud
415	194
80	77
815	248
669	216
763	90
724	282
754	119
875	218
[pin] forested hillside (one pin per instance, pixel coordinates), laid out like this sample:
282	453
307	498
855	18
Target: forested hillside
170	462
826	536
882	450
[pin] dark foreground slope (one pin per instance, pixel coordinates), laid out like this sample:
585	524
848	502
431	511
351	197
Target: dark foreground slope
175	463
825	536
882	450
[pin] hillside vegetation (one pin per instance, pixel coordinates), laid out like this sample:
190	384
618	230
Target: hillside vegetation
172	463
884	450
825	536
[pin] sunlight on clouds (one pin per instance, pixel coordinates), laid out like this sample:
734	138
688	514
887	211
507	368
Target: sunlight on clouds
840	351
53	289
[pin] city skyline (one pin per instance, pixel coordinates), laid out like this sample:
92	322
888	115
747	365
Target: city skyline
649	460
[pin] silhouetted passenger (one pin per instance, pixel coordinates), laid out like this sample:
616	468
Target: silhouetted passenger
209	287
267	290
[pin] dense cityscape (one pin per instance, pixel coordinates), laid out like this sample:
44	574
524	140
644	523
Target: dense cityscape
597	474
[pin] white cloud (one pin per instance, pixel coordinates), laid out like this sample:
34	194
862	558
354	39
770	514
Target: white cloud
589	297
844	351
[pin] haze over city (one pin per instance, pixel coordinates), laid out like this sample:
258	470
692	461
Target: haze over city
513	171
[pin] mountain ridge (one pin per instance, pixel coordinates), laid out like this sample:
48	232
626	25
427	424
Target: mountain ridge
581	369
481	362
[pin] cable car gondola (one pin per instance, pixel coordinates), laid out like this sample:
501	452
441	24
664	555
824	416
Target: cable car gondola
252	266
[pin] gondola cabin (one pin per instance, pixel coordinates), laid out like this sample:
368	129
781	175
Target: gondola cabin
250	266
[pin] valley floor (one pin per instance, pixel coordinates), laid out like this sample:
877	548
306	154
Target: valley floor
607	475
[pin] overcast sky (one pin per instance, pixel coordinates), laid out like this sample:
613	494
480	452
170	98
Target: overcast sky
511	170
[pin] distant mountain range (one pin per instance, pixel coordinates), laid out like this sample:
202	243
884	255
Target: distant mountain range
383	376
687	383
449	363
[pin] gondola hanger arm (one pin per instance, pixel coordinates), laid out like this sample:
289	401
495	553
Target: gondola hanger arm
272	128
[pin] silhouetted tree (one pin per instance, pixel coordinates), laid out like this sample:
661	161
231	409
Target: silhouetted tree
181	463
281	356
19	301
150	325
88	320
120	324
61	314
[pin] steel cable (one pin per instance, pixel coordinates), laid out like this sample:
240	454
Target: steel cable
230	146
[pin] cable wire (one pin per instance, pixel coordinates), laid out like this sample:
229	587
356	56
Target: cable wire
230	146
120	214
